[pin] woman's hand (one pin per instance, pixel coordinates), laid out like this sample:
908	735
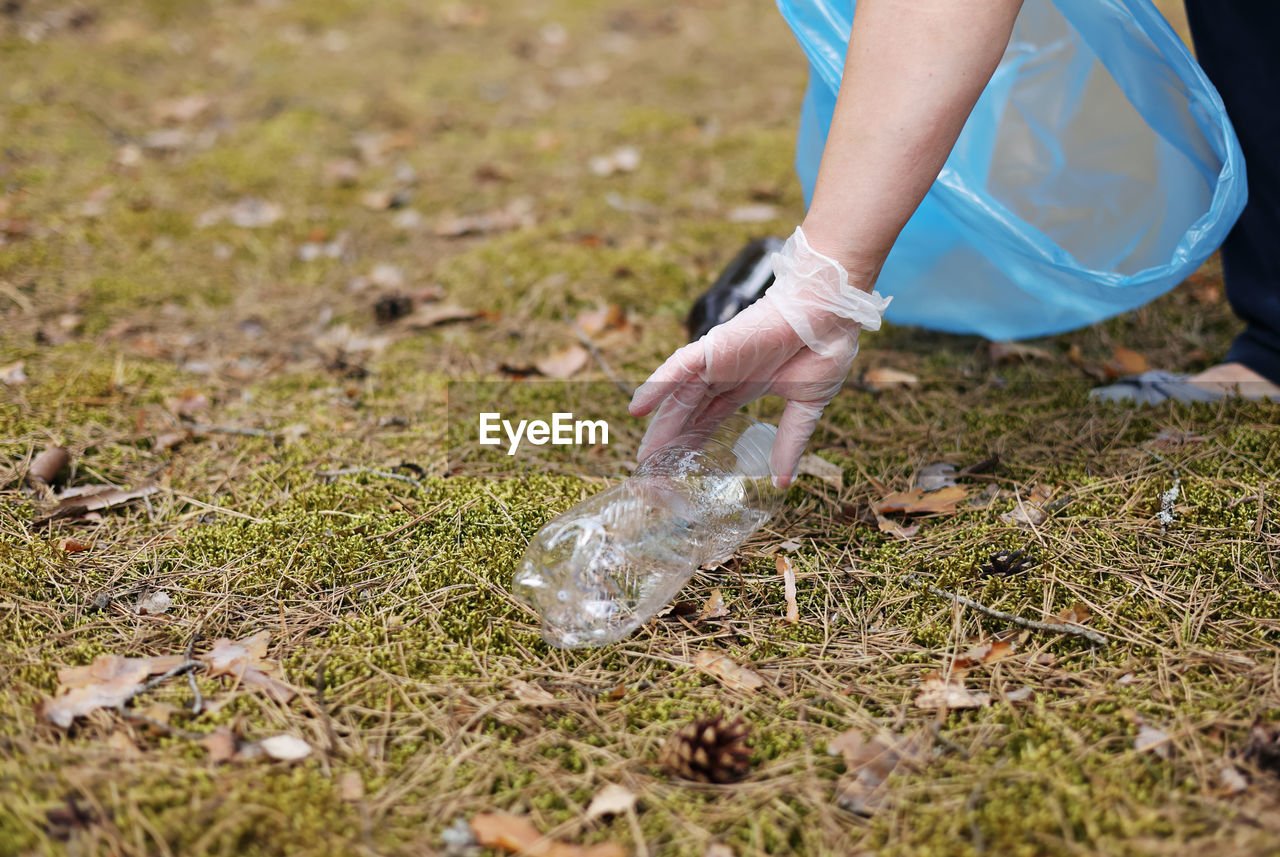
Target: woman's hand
797	342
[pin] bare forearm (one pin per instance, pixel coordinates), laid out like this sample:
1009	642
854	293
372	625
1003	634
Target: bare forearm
913	72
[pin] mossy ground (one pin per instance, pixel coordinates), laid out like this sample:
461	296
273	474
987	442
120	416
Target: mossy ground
387	600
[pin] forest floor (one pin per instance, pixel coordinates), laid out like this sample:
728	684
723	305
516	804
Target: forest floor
211	215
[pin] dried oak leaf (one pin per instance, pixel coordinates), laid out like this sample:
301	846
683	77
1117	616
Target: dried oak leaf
106	683
434	314
80	501
868	763
603	317
517	834
895	529
917	502
246	661
820	468
564	363
516	214
46	466
985	653
714	608
731	674
949	693
1125	361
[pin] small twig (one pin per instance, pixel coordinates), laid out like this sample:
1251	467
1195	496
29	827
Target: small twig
591	346
324	709
355	471
197	704
1052	627
200	428
163	677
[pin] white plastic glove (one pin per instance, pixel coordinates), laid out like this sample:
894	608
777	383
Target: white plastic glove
797	342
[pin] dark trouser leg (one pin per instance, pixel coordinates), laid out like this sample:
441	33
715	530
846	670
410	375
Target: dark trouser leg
1238	44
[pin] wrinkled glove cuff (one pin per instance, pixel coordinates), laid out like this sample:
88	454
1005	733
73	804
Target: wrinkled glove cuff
809	286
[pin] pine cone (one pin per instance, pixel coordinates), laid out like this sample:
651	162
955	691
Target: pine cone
709	751
1007	563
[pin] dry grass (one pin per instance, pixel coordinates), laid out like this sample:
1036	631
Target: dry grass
386	599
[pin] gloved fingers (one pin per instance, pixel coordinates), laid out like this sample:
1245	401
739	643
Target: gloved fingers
685	365
673	417
799	419
713	413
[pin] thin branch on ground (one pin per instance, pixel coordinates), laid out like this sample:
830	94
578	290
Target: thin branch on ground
1052	627
596	355
200	428
356	471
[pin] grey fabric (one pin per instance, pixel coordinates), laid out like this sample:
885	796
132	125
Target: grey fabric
1154	387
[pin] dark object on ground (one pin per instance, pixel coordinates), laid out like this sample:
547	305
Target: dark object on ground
390	307
1007	564
739	286
1263	747
1151	388
708	751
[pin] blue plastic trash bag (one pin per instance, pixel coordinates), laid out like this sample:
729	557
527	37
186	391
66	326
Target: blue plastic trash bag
1096	172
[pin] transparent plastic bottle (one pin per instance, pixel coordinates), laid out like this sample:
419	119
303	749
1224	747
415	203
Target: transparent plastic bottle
600	570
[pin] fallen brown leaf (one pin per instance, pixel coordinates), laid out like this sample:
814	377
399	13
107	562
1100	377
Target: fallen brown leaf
178	111
434	314
109	681
46	466
1028	512
564	363
603	317
1076	614
1125	361
351	787
80	501
949	693
517	214
715	607
868	763
220	744
1014	352
984	653
732	675
531	694
883	378
895	529
517	834
820	468
71	545
246	661
917	502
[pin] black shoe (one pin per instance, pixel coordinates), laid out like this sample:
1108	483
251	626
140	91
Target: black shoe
738	287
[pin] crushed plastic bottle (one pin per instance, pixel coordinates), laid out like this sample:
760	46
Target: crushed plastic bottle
600	570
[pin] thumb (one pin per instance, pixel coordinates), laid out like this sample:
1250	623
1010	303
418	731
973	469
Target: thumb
799	419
